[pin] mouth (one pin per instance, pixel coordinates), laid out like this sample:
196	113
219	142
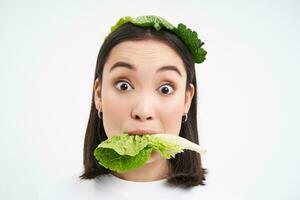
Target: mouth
141	132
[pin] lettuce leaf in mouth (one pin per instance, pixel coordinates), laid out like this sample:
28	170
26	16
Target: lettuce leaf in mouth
125	152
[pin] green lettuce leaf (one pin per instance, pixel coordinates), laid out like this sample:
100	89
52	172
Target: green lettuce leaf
109	158
192	41
189	37
125	152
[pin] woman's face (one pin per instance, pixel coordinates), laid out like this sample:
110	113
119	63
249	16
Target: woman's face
143	87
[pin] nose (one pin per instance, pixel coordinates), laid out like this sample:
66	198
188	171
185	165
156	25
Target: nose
142	117
143	110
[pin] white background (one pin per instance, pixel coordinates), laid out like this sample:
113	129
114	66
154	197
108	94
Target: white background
248	89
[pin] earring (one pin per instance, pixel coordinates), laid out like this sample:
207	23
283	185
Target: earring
99	112
185	119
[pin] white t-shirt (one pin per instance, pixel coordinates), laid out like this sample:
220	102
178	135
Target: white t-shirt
110	187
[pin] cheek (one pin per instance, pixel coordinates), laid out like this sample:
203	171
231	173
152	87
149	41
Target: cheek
114	113
171	115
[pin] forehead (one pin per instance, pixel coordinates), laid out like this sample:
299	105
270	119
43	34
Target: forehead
149	54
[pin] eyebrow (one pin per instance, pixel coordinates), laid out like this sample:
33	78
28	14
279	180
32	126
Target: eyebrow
131	67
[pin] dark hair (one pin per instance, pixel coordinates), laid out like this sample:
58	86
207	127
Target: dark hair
186	168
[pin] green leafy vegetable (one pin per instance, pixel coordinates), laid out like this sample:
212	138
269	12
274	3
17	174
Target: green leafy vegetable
192	42
125	152
189	37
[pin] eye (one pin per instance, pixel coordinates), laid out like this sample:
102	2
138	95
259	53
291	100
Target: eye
166	90
122	85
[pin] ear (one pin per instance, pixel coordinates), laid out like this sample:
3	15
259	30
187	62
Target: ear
97	94
189	97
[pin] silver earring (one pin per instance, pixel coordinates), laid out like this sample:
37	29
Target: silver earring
185	118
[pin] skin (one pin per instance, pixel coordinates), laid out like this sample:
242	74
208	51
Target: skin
143	99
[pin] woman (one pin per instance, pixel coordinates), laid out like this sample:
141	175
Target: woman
144	82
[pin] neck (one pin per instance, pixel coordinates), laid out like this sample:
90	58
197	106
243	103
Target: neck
152	171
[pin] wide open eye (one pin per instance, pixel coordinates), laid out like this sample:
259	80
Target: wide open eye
166	88
122	85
